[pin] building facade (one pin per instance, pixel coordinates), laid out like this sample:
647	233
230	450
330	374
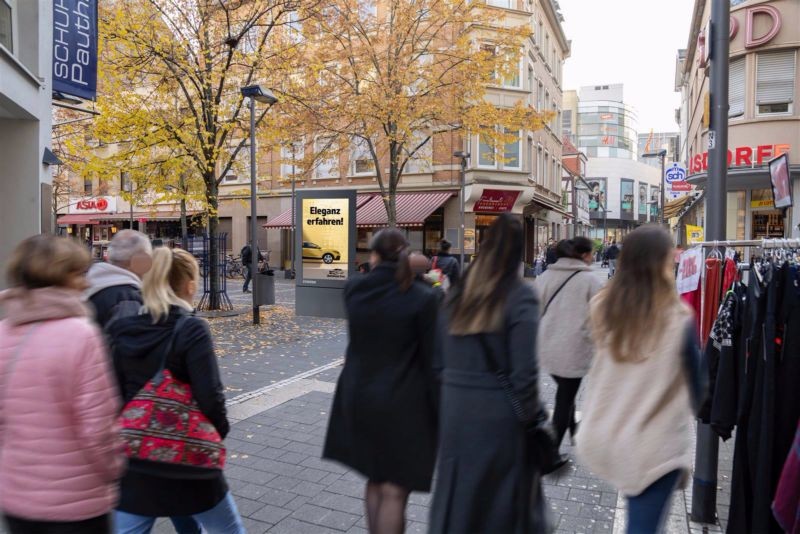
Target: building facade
26	30
524	181
763	117
655	141
623	192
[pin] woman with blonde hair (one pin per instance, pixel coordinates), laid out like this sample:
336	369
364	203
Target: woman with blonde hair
60	454
644	383
165	342
487	479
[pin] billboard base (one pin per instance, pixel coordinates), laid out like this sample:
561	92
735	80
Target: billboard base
320	302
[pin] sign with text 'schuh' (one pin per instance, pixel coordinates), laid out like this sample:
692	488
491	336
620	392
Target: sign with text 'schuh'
75	48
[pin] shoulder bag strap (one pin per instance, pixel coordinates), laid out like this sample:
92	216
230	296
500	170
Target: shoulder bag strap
502	377
13	363
573	275
159	375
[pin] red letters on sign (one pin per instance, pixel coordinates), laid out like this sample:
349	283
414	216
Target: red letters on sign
743	156
764	152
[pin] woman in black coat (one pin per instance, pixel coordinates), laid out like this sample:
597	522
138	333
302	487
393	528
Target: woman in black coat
383	421
486	481
153	489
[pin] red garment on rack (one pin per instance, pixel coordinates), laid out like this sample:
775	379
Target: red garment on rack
712	296
786	506
693	299
730	276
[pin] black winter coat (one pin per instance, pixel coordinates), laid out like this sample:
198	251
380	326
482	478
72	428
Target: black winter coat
486	482
161	490
383	421
116	301
449	266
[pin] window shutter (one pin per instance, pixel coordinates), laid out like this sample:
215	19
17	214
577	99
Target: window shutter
775	78
736	89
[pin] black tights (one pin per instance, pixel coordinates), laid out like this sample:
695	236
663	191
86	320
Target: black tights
386	507
564	413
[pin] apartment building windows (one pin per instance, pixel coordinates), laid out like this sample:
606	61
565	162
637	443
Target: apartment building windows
736	81
500	3
124	181
775	75
514	78
529	154
420	161
540	166
540	98
512	152
361	162
88	186
486	157
368	8
7	24
290	156
539	33
546	169
328	166
566	122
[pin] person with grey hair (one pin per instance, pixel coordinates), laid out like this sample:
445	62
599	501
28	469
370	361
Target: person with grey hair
117	285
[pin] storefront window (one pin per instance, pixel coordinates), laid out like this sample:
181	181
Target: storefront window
768	223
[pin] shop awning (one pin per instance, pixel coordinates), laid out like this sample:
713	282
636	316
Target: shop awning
412	209
743	178
76	218
284	220
552	206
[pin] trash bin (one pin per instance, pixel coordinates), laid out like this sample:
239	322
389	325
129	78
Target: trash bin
265	288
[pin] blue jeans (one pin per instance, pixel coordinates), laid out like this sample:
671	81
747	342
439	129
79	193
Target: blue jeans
646	512
222	519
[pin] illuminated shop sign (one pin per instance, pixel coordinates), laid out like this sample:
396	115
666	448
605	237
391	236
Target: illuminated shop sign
742	156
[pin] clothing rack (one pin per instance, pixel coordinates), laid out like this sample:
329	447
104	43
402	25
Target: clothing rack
762	243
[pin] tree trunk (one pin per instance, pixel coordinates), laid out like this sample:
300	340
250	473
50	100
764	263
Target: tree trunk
184	226
214	302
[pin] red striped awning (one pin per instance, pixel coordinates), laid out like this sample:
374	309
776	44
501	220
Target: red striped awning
412	209
77	218
284	220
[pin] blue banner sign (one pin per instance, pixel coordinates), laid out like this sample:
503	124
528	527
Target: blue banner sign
75	48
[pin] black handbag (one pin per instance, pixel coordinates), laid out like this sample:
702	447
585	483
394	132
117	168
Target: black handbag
540	436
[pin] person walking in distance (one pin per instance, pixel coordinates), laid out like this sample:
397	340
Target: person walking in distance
487	482
167	337
564	292
644	383
115	287
384	416
612	253
447	263
247	263
60	453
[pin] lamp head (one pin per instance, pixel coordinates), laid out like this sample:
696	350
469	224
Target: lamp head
461	154
259	94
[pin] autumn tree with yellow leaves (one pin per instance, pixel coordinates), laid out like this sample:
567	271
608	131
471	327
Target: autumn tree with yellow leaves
170	74
392	74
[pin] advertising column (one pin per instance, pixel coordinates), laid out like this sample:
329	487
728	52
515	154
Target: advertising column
324	250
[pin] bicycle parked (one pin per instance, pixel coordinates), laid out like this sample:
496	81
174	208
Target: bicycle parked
234	267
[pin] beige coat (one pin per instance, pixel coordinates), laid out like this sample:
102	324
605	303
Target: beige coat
564	343
637	417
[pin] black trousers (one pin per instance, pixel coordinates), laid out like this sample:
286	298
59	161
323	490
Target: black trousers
96	525
564	413
247	277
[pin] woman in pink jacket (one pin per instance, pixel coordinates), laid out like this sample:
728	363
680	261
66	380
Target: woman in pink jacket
60	454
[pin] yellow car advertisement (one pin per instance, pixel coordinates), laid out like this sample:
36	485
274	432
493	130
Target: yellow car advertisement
326	225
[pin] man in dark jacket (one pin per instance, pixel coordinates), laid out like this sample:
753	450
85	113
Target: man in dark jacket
115	288
612	254
550	256
448	264
247	260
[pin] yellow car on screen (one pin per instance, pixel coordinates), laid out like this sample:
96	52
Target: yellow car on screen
312	251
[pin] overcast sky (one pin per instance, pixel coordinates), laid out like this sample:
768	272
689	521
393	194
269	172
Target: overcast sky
633	42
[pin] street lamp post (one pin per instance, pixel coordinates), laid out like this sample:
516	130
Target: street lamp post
291	241
463	156
662	183
265	96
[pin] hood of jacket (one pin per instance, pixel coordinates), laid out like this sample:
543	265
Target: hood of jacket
22	306
569	264
137	336
104	275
